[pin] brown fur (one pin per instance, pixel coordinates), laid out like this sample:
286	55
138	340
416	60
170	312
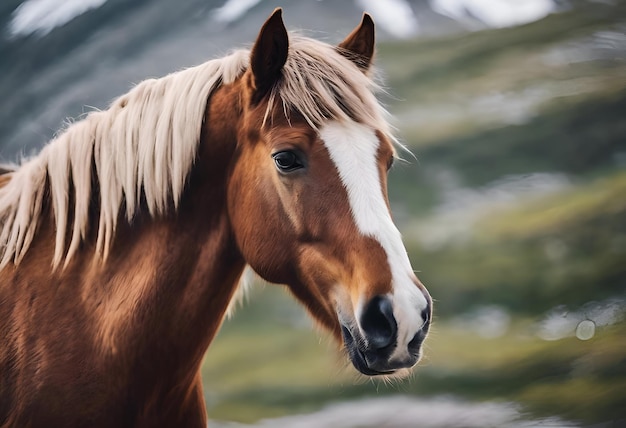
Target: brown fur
4	179
5	176
120	343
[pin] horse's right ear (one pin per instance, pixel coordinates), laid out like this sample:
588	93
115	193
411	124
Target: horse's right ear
269	55
359	45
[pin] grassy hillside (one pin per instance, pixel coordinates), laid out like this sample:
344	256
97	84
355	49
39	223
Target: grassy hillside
563	249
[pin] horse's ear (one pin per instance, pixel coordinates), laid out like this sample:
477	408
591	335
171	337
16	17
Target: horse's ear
269	55
359	45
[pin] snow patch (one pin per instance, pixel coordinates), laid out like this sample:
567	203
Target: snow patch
232	10
394	16
495	13
42	16
407	412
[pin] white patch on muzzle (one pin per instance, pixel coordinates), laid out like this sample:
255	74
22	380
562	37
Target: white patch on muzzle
353	148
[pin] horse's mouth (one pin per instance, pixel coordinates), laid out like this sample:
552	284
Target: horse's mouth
359	361
358	356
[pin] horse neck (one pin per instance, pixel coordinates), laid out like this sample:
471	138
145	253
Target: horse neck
168	281
190	256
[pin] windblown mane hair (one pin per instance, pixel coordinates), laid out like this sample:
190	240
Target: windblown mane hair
145	144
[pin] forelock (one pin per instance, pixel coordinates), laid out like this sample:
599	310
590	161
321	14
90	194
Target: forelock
321	84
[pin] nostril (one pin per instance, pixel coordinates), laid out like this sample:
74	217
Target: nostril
426	314
378	322
416	343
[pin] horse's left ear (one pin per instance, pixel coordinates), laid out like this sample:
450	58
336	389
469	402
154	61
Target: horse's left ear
359	45
269	55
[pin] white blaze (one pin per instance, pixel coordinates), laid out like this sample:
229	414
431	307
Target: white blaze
354	148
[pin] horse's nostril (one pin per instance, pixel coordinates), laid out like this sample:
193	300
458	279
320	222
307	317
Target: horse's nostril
416	343
378	323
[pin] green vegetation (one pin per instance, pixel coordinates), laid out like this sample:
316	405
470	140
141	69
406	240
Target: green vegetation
567	248
581	381
477	109
576	138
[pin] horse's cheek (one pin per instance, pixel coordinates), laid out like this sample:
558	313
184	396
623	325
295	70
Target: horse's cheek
253	207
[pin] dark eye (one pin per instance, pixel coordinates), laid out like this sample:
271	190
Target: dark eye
287	161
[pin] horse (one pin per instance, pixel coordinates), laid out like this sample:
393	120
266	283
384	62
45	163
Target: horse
122	243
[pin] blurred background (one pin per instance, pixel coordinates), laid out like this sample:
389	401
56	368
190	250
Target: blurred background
513	208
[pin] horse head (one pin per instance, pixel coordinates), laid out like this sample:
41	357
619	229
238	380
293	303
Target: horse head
307	195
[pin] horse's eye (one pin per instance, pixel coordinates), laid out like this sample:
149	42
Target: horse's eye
287	161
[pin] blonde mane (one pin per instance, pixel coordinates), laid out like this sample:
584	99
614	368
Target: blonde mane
144	146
